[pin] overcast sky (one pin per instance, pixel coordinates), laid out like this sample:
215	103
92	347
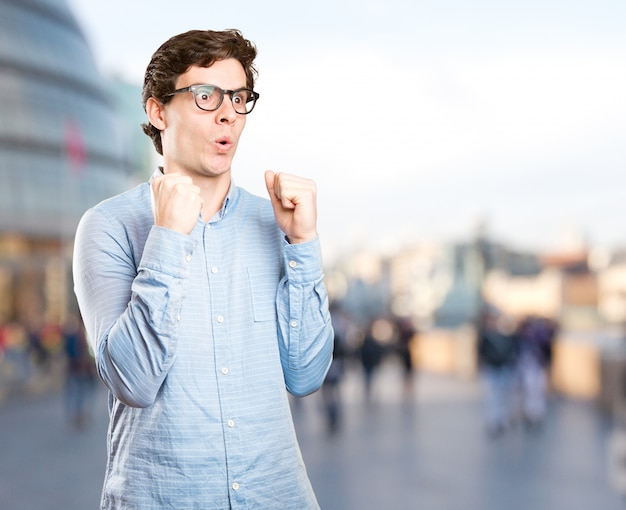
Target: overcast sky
420	118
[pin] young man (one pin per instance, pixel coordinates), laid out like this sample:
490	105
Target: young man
202	302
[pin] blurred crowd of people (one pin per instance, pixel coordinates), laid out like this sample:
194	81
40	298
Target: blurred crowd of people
51	353
366	346
514	360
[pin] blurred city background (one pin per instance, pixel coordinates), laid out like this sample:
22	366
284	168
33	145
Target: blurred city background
470	164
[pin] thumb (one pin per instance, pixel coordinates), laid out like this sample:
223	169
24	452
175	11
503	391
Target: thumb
270	178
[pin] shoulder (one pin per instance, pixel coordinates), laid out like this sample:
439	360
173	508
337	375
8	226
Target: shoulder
129	207
248	200
254	206
133	201
126	217
254	219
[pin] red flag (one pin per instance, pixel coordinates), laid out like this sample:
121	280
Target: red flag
75	149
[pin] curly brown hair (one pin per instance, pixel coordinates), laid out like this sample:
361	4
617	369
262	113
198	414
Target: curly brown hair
196	47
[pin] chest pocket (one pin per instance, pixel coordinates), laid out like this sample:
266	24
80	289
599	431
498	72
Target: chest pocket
263	288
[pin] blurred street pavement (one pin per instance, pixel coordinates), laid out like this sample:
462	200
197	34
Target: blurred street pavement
431	451
426	452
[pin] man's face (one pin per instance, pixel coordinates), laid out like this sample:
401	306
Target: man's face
197	142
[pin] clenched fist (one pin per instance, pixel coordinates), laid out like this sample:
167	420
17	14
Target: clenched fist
176	202
295	205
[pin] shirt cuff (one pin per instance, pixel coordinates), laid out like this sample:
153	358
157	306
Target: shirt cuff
168	252
303	261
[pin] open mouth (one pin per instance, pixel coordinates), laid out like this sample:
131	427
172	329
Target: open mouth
224	143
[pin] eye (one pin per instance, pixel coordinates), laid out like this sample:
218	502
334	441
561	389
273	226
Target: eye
205	93
240	97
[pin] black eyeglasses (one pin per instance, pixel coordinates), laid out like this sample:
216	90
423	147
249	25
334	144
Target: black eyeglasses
210	97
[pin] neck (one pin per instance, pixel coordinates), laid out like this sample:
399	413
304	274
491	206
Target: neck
213	191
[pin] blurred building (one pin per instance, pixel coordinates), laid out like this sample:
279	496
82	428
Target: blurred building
62	149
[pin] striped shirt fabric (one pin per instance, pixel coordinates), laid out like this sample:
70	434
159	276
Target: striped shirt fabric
198	338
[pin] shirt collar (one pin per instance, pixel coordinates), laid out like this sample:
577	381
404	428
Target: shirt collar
228	200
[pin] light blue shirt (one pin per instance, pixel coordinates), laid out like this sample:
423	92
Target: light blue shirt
197	338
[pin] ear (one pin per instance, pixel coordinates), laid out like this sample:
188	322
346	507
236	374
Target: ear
156	113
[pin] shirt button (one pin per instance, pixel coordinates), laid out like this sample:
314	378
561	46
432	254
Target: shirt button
231	423
292	263
214	270
178	318
294	324
220	318
235	486
188	258
224	370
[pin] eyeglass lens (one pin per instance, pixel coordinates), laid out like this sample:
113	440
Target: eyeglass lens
209	98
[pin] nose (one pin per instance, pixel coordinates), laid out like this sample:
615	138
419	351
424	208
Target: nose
226	113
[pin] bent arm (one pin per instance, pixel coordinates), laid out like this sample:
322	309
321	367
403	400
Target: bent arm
304	327
130	310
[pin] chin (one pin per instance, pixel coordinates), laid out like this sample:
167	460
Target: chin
216	171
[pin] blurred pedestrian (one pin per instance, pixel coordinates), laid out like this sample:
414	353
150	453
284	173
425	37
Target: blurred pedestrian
37	351
331	388
203	303
498	352
405	341
80	373
536	336
331	394
371	354
17	358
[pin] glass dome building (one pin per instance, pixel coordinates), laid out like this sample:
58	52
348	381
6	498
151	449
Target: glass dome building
61	151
